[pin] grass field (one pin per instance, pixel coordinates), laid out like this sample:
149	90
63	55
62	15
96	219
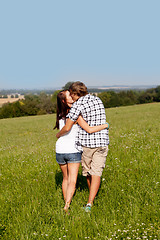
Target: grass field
128	202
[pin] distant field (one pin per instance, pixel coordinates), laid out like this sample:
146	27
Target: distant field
9	99
128	203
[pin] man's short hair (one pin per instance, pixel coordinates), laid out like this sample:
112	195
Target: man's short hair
78	88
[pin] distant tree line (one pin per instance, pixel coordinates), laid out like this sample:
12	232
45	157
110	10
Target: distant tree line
46	104
3	96
6	96
25	91
29	106
130	97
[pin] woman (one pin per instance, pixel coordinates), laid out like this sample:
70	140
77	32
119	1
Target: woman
67	156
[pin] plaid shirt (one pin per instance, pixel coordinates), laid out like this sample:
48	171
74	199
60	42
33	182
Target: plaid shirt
92	110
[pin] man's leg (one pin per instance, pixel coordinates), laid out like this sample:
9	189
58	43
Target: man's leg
86	163
94	187
97	166
88	181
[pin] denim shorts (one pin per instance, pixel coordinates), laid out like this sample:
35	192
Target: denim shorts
64	158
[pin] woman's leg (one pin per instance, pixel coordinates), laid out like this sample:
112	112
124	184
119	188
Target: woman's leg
64	170
72	179
88	181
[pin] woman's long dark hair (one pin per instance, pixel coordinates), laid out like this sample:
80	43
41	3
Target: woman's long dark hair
62	107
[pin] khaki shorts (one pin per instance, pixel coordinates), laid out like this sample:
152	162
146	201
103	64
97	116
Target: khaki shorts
93	160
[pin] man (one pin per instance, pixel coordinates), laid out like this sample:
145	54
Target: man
94	145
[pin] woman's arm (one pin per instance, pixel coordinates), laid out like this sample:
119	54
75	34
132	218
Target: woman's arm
90	129
67	127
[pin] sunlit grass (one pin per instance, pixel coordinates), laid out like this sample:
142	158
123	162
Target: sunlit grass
128	203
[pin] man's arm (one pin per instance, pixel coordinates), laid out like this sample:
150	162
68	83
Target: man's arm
66	128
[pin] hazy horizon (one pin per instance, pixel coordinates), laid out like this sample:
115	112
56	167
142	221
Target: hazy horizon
89	87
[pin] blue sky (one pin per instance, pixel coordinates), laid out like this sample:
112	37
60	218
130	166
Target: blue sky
45	44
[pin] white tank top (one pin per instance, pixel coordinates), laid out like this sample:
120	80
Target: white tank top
66	143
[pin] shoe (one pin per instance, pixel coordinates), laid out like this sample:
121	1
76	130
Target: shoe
87	208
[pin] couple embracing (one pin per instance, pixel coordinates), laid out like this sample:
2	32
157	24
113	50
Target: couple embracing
83	137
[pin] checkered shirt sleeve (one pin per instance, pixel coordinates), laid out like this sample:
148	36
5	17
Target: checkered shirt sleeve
75	111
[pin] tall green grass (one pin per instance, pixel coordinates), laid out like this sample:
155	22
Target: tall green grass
128	203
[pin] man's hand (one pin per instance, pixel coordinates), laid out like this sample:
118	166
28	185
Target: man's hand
66	128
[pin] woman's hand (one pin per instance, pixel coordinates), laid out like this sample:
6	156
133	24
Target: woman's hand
107	126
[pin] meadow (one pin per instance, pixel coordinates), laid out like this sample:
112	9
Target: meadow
128	203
